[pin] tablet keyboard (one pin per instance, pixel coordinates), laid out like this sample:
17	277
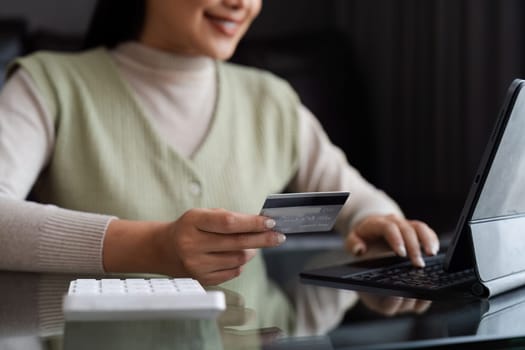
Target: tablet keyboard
140	299
432	276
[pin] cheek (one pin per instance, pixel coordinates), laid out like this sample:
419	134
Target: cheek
254	11
256	8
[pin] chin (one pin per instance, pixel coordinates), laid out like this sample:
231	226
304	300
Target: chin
222	52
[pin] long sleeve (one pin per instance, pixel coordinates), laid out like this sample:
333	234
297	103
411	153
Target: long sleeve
323	167
33	236
178	94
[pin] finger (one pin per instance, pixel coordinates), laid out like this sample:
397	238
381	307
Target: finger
230	260
407	305
212	262
428	238
224	221
383	305
218	277
391	305
382	227
411	240
241	241
422	306
355	244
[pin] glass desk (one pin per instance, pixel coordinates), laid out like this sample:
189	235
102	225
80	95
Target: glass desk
319	318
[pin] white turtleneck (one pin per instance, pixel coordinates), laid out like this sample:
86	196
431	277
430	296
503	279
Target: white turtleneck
181	107
178	93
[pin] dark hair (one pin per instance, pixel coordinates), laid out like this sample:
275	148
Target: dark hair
115	21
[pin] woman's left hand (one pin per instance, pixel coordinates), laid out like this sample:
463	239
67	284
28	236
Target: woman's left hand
406	237
391	306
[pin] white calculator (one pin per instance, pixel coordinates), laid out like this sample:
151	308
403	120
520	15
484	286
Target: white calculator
140	299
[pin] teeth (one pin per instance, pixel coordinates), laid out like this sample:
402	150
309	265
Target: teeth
227	24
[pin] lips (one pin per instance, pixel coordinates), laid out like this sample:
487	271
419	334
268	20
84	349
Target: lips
227	26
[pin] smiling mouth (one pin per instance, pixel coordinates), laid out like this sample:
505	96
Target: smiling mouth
225	26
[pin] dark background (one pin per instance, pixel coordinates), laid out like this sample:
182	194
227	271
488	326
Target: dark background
409	89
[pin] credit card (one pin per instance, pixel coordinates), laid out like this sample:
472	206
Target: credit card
304	212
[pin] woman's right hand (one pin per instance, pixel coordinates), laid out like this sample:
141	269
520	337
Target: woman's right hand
209	245
214	244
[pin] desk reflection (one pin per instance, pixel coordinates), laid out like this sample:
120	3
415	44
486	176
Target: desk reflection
31	318
503	315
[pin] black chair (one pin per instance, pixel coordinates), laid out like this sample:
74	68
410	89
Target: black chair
13	34
323	69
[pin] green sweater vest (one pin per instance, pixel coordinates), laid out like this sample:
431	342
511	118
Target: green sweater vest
109	159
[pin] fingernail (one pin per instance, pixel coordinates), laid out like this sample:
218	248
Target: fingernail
269	223
358	249
280	238
401	251
435	249
419	262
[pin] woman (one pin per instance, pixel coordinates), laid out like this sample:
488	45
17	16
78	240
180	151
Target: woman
152	130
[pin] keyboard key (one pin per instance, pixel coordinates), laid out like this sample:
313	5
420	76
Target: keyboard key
430	277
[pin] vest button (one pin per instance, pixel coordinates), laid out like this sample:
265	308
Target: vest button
195	189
